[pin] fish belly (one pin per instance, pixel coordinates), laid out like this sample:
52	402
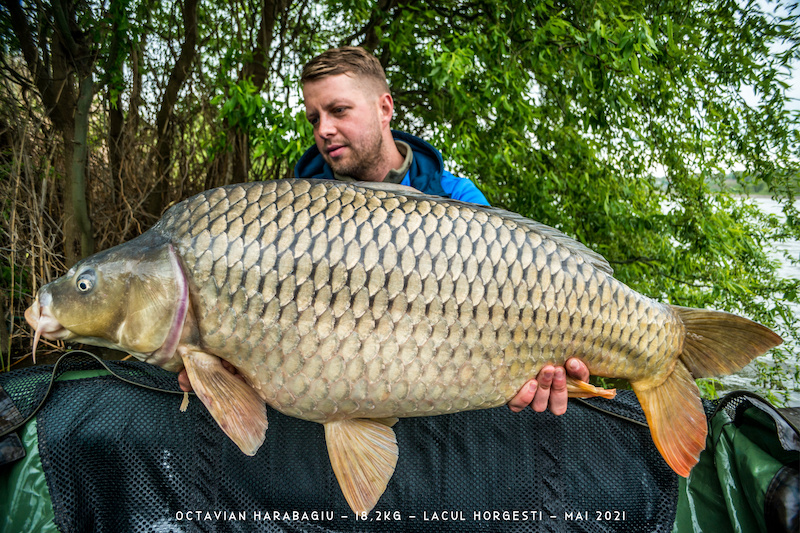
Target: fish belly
338	302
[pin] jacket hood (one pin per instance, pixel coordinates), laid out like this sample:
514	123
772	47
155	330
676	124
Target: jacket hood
425	173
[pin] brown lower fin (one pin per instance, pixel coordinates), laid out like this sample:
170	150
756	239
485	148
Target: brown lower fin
363	455
235	406
580	389
718	343
676	418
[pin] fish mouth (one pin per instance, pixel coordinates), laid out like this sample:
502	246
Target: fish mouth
41	319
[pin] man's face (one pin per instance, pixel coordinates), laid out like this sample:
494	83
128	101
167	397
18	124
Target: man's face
348	117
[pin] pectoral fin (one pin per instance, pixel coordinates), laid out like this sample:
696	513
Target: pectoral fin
363	455
236	407
581	389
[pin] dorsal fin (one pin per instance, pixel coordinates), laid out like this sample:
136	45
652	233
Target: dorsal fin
590	256
394	188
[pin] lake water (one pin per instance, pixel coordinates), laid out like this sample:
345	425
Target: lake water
744	379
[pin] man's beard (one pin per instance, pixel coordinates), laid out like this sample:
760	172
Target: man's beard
363	159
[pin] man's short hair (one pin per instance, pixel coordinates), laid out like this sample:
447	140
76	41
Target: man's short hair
346	60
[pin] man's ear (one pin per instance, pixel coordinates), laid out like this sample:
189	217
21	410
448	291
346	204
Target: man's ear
385	109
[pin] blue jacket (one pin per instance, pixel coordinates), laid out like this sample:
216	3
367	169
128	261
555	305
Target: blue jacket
426	174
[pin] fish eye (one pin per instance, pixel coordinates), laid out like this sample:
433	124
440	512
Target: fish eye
85	281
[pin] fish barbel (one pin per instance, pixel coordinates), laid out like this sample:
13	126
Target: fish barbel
352	305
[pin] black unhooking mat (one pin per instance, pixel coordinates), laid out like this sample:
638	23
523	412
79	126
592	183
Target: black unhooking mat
121	457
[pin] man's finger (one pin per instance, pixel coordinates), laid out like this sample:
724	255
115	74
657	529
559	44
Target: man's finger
183	381
542	396
558	392
577	369
524	397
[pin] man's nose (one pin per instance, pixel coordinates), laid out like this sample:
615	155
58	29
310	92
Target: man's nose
326	127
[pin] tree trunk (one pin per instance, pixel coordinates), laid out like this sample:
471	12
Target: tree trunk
54	79
116	156
234	165
78	228
156	201
116	118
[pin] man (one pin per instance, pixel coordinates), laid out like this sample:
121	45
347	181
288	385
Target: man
349	104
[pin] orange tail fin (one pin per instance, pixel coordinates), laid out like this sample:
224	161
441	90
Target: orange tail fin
715	343
718	343
676	419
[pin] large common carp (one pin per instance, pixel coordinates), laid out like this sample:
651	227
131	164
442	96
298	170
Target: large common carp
351	306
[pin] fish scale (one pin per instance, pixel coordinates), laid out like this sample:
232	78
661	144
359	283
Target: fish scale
352	305
335	289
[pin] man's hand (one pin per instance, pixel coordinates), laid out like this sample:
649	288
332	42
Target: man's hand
549	388
183	381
